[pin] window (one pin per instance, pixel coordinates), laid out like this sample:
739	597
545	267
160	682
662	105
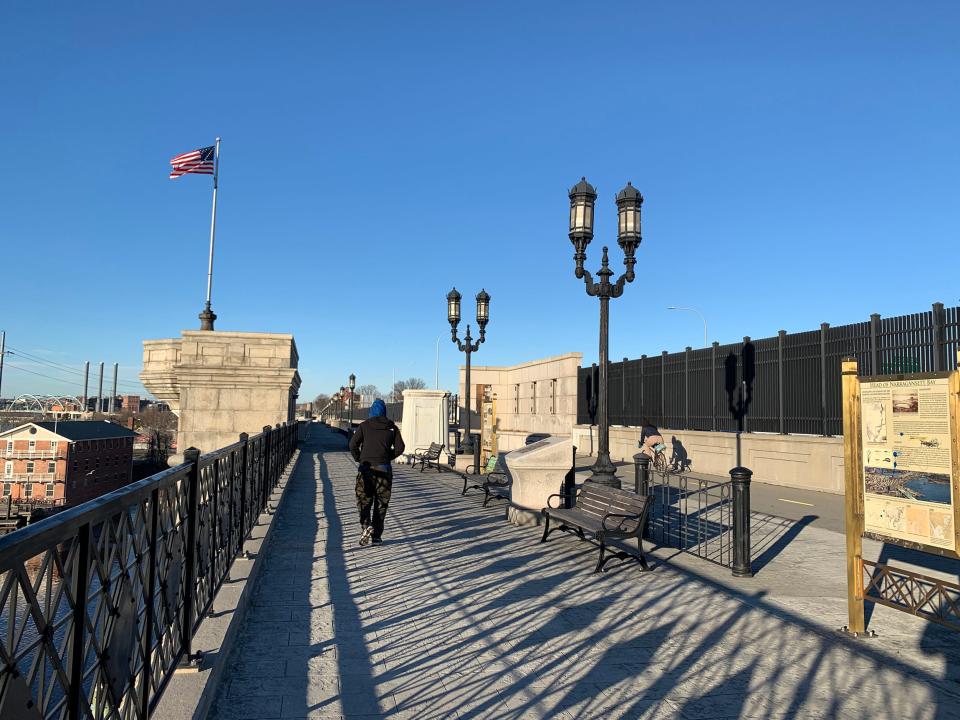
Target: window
9	445
51	467
50	490
6	489
76	465
28	489
32	445
533	398
553	397
516	399
8	469
29	467
53	446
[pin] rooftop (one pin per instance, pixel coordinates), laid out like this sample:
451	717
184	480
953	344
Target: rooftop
85	429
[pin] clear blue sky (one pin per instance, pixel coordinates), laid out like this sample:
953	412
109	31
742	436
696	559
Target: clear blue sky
800	164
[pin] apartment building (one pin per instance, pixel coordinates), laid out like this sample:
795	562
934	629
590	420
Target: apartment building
64	463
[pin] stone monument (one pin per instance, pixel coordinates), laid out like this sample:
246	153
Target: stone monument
537	471
425	419
220	384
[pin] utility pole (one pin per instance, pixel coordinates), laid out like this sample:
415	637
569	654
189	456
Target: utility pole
113	395
99	405
86	382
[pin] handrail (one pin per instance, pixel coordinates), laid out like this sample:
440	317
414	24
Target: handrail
128	578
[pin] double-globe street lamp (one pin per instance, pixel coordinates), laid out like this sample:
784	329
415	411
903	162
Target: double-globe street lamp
468	346
629	200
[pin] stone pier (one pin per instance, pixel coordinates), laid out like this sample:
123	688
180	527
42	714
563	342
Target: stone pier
223	383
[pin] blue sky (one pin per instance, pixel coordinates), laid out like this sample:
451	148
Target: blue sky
800	164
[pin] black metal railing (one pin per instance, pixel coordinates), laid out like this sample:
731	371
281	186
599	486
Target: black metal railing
703	517
793	378
99	604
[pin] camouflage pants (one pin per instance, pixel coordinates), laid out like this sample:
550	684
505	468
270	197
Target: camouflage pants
374	485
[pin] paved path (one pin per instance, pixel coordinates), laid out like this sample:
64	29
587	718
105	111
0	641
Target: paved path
461	615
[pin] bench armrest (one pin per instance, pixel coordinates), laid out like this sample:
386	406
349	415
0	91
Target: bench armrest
622	517
555	495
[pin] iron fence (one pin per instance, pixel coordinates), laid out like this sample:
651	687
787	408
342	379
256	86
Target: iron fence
99	604
791	381
692	515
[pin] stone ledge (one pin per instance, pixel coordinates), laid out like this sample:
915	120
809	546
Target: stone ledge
189	694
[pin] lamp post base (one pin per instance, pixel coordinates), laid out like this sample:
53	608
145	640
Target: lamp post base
467	447
207	318
604	472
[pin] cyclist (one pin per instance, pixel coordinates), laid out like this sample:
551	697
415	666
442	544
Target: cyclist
649	437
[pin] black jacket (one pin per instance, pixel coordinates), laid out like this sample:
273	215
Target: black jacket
377	441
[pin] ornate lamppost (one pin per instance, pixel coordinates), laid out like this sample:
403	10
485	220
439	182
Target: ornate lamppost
468	346
629	200
353	384
336	406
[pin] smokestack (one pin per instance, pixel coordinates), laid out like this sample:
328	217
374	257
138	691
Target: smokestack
86	382
99	406
113	395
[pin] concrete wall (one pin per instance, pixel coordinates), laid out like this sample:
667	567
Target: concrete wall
802	461
223	383
539	396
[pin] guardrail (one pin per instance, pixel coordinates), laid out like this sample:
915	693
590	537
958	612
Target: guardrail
99	603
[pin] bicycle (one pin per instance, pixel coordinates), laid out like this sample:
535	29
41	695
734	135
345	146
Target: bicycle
659	457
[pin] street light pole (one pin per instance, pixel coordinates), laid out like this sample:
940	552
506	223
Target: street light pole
629	200
468	347
353	384
694	310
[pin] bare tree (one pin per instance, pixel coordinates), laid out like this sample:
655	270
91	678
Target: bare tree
320	402
409	384
370	391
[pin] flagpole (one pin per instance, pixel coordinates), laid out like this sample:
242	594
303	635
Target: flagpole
208	316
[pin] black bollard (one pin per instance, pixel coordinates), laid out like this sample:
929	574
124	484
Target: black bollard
476	453
641	471
740	481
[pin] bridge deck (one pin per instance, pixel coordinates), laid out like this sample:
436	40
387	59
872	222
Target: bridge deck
459	614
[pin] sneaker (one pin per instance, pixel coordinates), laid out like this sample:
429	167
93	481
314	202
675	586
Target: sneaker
366	535
378	541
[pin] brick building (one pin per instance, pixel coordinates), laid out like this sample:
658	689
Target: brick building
64	463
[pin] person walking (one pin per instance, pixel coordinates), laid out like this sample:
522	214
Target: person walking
375	445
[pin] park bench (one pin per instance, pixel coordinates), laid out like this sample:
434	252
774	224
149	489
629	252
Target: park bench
425	456
607	513
494	482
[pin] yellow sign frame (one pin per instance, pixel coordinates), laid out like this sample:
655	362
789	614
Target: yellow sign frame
854	481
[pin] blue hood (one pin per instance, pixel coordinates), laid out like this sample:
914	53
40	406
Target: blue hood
378	409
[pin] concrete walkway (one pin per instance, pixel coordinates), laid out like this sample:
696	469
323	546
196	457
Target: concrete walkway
461	615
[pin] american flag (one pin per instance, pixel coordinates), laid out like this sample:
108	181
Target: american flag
198	162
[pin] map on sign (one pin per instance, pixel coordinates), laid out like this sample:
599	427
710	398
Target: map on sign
907	460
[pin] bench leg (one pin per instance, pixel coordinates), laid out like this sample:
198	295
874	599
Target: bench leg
464	486
640	556
599	566
546	528
486	496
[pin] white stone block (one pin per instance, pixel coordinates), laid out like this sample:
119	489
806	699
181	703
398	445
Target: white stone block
537	471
